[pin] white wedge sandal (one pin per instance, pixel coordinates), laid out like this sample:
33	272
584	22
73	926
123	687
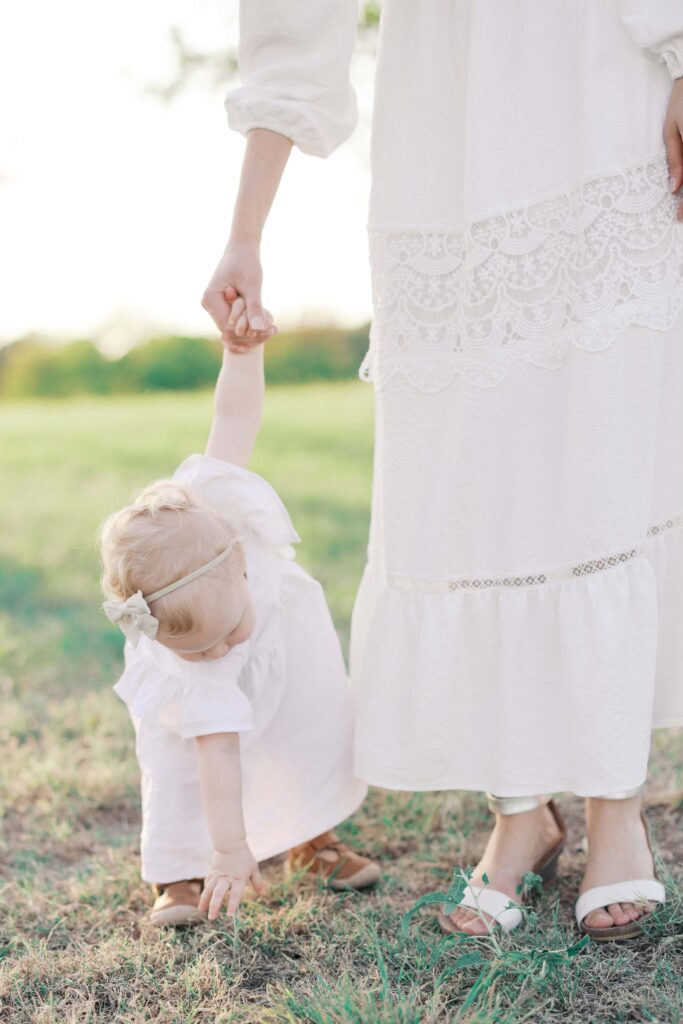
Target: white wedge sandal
638	890
485	900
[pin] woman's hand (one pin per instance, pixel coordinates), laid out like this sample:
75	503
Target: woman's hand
233	298
673	140
238	276
228	877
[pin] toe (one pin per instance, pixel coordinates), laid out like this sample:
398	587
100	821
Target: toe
475	926
632	911
617	914
462	919
466	921
598	919
642	910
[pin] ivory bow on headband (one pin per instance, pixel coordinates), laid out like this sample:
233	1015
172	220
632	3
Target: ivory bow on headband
133	616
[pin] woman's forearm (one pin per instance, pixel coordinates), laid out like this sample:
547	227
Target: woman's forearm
220	780
233	296
265	157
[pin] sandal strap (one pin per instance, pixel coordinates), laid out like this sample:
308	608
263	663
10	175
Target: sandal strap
159	888
494	903
639	890
326	841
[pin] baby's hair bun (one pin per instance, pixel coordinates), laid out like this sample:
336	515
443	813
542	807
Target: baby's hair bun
166	496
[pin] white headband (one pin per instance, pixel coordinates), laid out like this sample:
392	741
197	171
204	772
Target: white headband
133	615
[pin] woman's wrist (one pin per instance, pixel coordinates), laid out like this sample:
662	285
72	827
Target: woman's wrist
244	238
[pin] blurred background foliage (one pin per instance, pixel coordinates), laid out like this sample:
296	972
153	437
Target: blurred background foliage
33	367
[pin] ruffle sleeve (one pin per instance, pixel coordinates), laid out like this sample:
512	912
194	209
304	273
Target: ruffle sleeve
657	27
247	501
187	698
294	60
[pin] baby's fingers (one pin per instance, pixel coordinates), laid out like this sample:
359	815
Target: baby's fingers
241	325
236	894
218	898
241	345
257	882
236	310
205	897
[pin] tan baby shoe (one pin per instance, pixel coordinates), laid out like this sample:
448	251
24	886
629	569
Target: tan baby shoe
177	903
328	857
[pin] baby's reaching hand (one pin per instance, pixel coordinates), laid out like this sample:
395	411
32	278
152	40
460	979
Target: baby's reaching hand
227	879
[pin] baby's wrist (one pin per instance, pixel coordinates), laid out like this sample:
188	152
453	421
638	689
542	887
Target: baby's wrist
232	846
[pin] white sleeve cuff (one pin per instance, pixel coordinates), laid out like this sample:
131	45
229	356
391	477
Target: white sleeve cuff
656	26
311	131
293	59
672	56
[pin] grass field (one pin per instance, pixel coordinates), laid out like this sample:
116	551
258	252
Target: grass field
75	945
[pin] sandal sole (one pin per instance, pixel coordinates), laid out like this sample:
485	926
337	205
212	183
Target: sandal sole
617	933
363	879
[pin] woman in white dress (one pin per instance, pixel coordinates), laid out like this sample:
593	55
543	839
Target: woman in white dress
516	629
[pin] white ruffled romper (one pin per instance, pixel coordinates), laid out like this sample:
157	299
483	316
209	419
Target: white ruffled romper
518	625
285	691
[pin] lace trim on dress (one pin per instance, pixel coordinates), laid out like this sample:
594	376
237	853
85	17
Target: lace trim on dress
526	283
590	568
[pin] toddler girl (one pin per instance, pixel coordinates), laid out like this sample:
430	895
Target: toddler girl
234	675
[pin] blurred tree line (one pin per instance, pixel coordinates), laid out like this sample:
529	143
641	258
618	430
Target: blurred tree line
36	368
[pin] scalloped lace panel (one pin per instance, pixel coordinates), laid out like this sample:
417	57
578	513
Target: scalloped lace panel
525	284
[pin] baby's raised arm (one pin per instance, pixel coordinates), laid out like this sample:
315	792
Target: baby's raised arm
232	866
238	405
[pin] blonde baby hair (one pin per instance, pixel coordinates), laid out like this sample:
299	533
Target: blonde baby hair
165	534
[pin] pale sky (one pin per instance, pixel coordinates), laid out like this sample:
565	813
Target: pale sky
114	207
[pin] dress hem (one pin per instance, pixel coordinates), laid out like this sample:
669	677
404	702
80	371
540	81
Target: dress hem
472	787
302	834
670	722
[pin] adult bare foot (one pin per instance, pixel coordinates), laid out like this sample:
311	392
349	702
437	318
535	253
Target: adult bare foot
517	843
618	850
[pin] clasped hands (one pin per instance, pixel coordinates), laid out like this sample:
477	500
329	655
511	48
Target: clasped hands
233	299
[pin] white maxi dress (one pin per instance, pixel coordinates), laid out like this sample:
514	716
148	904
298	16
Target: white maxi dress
519	625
